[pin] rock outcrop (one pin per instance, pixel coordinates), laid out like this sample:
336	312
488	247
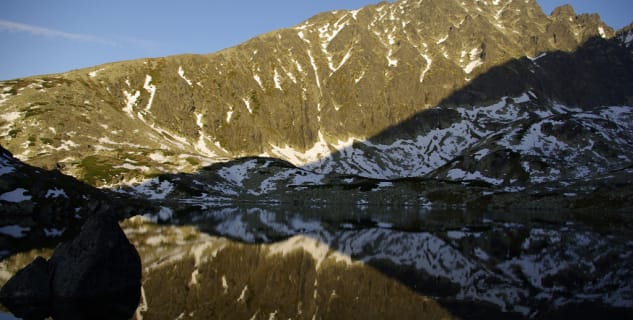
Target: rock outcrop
40	208
96	275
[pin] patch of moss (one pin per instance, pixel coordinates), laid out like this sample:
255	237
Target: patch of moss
193	161
13	133
97	171
33	110
31	140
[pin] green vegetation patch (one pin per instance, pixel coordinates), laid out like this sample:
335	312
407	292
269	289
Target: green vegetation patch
34	109
97	170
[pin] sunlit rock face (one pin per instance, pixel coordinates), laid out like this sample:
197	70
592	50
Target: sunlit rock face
338	86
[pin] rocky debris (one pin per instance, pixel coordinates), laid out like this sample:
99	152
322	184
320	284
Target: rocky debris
96	275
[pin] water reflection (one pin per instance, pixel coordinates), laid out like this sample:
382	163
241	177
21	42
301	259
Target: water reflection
113	308
476	264
526	263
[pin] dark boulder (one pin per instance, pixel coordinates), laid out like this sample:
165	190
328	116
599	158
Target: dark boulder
96	275
28	293
30	283
99	263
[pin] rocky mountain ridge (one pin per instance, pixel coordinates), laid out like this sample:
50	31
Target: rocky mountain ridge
300	94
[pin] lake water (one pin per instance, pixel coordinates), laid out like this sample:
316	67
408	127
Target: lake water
288	261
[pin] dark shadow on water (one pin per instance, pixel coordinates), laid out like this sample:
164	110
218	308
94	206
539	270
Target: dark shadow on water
114	308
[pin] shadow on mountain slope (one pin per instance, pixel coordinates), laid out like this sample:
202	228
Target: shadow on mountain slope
528	122
598	73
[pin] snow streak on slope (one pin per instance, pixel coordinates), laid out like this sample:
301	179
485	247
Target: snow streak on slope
181	73
499	126
151	89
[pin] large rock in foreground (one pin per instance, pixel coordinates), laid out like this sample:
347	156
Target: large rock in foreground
99	263
96	275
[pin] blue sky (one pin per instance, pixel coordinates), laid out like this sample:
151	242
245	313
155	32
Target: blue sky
45	36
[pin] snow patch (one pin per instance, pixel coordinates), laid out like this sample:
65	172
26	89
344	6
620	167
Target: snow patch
247	103
315	69
94	73
54	232
130	102
5	169
601	32
459	174
457	235
225	284
14	231
11	116
149	87
55	193
522	99
317	249
440	41
132	167
481	254
181	73
320	150
277	79
154	189
237	173
427	67
472	65
165	214
537	57
158	157
258	80
242	297
475	60
229	115
16	196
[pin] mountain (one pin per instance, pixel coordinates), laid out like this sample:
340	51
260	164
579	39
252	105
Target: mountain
300	94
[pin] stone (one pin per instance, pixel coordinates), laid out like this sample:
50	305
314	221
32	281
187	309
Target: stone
29	283
28	292
100	262
96	275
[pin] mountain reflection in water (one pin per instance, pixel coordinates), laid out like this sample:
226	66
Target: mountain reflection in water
365	262
527	264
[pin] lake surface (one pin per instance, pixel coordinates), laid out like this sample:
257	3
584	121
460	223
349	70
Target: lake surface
285	261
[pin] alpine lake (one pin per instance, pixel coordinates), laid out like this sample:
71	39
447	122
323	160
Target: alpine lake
361	261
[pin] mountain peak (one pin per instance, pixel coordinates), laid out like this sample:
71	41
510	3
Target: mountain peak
564	11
